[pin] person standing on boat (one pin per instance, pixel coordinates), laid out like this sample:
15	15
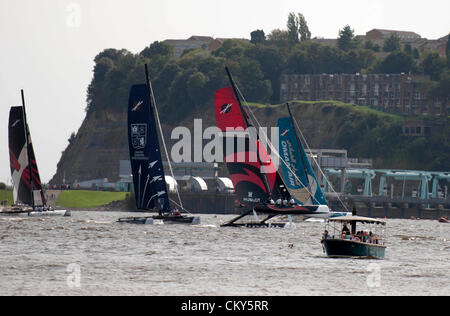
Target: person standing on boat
325	235
345	230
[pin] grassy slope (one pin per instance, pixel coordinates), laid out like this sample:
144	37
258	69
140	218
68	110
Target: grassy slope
6	195
348	106
88	199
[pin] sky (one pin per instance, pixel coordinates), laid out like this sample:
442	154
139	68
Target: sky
47	47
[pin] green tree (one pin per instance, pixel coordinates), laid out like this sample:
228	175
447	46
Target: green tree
397	62
72	138
292	26
251	80
164	80
297	63
277	36
157	48
392	43
433	65
346	39
232	49
257	36
303	29
407	48
441	89
447	51
372	46
195	85
272	63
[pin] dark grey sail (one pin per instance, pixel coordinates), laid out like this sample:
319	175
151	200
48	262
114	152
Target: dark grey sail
145	154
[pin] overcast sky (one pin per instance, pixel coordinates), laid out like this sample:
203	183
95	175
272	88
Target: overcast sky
47	47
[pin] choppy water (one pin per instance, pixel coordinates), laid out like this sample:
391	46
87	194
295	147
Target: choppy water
90	254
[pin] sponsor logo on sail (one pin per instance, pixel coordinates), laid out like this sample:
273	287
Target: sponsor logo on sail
15	123
137	106
139	136
226	108
157	178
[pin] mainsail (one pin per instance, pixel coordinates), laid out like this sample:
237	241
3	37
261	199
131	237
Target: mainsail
252	172
258	185
297	171
145	154
26	190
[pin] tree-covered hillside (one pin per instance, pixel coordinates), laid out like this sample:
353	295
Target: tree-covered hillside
184	89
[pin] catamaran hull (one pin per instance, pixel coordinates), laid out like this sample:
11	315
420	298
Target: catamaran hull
257	225
36	213
340	248
50	213
190	220
294	210
272	211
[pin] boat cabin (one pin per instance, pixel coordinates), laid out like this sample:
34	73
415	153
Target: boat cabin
356	228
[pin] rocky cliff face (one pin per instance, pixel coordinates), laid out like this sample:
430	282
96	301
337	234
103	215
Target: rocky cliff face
101	141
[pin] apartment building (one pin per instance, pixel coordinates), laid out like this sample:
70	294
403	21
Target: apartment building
179	46
206	43
394	93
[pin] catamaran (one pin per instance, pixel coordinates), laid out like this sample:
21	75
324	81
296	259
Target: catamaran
150	188
258	185
296	169
28	193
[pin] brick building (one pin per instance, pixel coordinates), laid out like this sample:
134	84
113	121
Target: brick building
395	93
206	43
179	46
378	34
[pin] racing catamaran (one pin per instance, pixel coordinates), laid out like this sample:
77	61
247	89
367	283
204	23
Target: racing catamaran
150	186
28	193
258	185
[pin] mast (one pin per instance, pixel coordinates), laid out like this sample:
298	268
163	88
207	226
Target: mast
27	135
233	85
155	110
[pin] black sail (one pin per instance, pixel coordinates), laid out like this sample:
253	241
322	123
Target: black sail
23	184
145	155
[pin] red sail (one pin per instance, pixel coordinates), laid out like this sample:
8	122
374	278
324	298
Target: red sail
251	169
228	111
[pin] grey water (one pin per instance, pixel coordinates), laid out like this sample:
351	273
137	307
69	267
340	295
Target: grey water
90	254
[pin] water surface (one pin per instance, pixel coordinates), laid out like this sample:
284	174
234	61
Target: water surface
91	254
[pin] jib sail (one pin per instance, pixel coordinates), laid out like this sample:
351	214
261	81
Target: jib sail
297	171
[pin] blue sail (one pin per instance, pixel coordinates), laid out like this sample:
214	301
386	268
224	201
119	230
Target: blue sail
145	154
303	186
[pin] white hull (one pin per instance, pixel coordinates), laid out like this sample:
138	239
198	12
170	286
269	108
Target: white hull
49	213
